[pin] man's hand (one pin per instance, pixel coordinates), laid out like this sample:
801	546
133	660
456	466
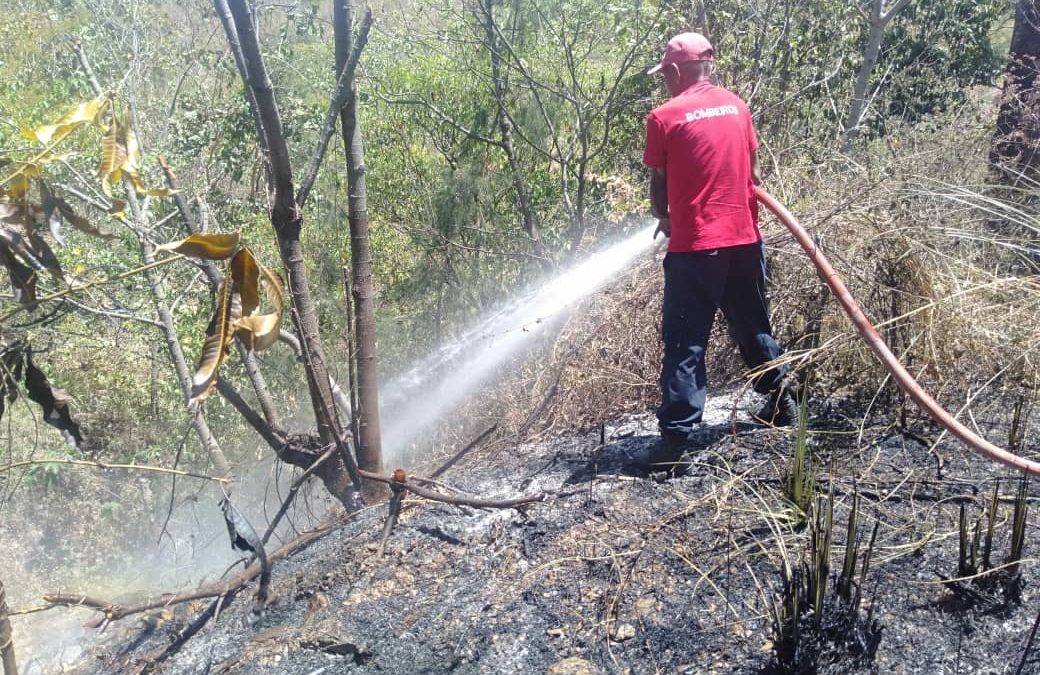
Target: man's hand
664	226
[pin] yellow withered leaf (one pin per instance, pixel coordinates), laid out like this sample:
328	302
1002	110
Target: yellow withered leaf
245	271
260	331
83	113
216	246
128	139
215	348
113	155
16	186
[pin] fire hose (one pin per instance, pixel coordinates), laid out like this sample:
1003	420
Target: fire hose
888	359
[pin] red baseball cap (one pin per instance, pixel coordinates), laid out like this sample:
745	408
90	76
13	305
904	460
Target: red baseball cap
683	48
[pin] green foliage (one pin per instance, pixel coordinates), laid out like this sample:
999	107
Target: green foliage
938	50
48	476
446	228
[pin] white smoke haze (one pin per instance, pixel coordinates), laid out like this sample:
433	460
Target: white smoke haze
194	549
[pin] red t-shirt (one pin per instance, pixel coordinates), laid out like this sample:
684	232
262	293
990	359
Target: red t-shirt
703	139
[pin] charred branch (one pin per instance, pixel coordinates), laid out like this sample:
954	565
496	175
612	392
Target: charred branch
456	499
394	509
7	659
113	611
475	443
244	538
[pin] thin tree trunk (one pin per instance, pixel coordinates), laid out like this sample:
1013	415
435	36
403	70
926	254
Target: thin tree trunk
10	664
339	473
879	19
1016	144
701	26
173	346
505	127
169	327
369	441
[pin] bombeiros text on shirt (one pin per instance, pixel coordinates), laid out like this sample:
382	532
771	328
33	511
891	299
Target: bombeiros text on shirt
702	113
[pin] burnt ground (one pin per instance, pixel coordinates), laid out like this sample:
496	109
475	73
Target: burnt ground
618	571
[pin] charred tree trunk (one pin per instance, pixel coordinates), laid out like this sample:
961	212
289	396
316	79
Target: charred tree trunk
10	664
369	442
1016	144
339	474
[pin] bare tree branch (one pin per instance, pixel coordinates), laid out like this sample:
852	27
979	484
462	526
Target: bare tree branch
162	309
114	611
102	465
344	84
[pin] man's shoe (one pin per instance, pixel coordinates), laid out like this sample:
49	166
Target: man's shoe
780	409
667	455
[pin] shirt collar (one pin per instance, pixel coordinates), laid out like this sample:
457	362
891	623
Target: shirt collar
696	86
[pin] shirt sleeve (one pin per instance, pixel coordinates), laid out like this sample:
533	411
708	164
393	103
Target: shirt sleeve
654	151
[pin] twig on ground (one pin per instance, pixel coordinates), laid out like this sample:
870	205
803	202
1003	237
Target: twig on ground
455	499
159	655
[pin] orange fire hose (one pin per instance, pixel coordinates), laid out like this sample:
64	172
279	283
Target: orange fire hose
888	359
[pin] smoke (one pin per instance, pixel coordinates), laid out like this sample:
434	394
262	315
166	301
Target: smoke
118	556
126	557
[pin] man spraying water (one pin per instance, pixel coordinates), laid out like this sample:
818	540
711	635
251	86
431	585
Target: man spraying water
700	146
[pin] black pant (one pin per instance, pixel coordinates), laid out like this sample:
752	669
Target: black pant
732	279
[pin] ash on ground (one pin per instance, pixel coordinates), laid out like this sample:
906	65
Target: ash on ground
616	571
